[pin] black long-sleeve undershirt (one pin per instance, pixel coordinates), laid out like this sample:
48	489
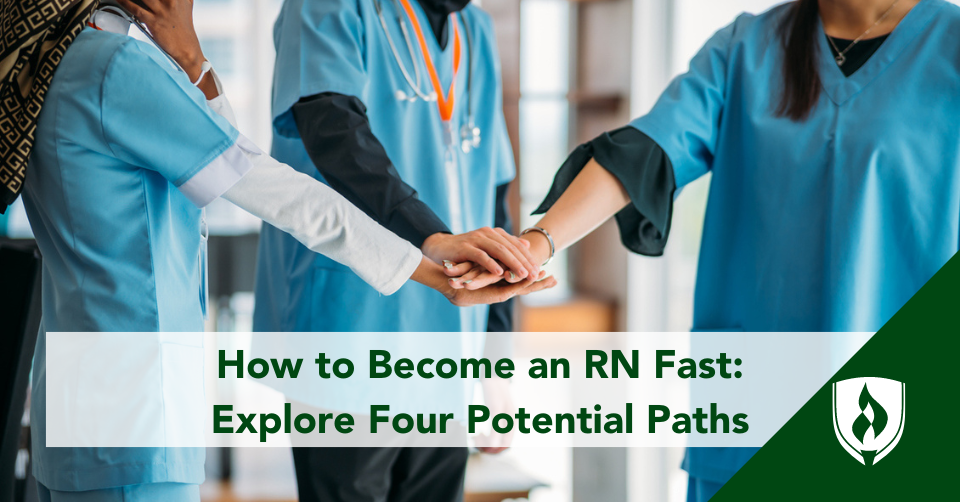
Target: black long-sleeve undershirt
337	136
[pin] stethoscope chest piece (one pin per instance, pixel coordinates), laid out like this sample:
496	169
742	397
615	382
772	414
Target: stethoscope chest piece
411	98
469	133
469	137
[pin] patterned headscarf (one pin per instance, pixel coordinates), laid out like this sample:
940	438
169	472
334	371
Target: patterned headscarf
34	34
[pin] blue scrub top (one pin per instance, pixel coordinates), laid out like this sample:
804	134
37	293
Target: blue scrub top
339	46
830	224
120	141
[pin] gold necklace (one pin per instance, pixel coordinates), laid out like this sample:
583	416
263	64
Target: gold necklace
842	55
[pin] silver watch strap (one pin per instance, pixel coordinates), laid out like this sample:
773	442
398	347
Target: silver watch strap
553	248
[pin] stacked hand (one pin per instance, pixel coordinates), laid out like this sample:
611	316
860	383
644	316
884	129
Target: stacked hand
472	276
484	266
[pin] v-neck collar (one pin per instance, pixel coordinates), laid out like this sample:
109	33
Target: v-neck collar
841	88
424	23
436	52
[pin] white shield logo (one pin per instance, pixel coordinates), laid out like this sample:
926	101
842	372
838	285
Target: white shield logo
868	416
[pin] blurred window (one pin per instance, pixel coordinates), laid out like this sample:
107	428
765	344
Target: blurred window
220	51
695	21
544	111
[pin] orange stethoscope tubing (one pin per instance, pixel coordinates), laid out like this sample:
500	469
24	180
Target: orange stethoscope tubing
445	101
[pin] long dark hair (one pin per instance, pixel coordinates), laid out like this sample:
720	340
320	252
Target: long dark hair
801	80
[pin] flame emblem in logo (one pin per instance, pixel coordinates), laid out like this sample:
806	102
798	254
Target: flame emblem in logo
867	429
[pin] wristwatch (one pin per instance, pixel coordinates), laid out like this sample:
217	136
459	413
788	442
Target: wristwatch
546	234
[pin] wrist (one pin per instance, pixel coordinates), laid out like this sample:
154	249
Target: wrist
539	246
430	274
191	61
432	245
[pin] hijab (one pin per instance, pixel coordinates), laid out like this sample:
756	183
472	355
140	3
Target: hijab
35	34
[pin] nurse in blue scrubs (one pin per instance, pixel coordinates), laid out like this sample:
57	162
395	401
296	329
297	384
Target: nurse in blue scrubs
832	131
130	144
397	105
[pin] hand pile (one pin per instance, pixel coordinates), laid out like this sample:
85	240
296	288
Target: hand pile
487	266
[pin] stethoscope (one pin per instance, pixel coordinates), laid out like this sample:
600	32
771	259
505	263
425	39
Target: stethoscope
469	132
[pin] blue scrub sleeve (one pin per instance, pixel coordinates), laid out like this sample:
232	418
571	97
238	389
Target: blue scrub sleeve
329	55
154	118
685	120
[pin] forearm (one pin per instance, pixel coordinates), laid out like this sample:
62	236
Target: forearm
339	140
592	198
337	136
323	221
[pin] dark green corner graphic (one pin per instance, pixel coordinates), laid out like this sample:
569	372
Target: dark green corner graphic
919	346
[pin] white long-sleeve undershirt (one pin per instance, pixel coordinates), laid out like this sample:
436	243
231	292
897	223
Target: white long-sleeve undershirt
316	215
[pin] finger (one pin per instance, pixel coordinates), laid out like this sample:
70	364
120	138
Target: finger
135	10
154	6
512	278
480	257
482	280
523	246
499	293
508	291
526	288
466	279
520	250
496	246
457	269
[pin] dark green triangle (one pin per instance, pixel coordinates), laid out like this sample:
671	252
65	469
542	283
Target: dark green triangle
919	346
